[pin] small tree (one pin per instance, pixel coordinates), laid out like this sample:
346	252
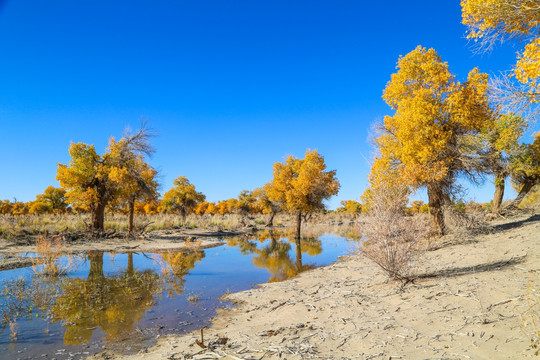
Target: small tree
301	185
525	169
500	139
54	199
182	197
350	207
202	208
134	178
86	181
264	205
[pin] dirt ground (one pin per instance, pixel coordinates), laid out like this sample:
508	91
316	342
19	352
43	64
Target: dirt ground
471	300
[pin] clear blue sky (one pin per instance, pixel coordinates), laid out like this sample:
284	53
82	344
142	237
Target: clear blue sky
230	86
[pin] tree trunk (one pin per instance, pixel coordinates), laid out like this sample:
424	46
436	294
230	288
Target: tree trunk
130	270
499	193
98	216
436	195
274	243
298	255
183	214
298	224
96	265
131	212
527	186
270	221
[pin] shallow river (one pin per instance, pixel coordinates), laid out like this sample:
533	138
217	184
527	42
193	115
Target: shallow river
123	301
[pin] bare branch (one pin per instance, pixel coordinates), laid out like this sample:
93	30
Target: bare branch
512	96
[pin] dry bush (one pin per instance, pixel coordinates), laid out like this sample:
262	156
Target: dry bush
465	222
391	238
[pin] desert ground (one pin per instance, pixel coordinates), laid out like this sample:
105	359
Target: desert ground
472	298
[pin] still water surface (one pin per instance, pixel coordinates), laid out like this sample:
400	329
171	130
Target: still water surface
122	301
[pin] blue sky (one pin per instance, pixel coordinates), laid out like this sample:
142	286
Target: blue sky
231	87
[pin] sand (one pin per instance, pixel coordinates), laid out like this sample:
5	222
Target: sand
469	302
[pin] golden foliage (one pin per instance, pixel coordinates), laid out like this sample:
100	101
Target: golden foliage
85	175
54	199
301	185
351	207
525	163
432	111
497	20
182	197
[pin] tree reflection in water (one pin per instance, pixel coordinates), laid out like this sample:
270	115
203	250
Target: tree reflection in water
174	268
113	304
275	256
116	304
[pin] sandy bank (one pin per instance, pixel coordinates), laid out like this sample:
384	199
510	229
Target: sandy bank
162	240
467	305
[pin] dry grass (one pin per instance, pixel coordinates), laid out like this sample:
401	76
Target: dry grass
20	226
342	225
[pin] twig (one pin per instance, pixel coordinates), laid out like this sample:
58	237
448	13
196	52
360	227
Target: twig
502	302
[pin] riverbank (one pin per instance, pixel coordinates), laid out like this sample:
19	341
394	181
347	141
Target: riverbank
470	301
159	240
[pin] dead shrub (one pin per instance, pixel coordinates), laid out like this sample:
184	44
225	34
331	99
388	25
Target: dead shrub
391	238
459	222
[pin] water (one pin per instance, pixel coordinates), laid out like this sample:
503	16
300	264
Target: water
122	301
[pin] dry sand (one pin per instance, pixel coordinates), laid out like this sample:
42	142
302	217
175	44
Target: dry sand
466	305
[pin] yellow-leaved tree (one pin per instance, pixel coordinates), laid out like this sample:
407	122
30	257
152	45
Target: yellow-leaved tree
134	178
301	185
525	168
500	141
86	181
182	197
264	205
53	200
492	21
351	207
92	181
422	143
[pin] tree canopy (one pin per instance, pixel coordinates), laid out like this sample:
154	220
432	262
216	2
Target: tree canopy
183	197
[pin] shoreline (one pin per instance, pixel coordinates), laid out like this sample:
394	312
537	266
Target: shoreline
467	302
159	240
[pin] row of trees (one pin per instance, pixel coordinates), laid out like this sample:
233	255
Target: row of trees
122	180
